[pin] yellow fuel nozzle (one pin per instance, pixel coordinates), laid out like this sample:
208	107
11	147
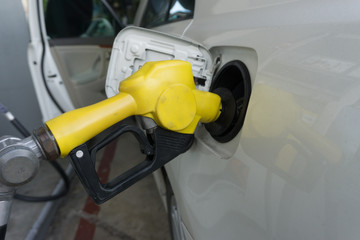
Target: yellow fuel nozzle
164	91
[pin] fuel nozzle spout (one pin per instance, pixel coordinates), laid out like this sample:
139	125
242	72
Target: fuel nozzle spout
225	122
163	91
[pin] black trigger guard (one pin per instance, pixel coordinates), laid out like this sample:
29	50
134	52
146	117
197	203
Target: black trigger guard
167	145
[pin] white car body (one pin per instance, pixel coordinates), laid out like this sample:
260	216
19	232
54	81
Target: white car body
293	171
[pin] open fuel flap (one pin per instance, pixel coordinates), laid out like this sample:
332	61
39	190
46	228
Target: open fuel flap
134	46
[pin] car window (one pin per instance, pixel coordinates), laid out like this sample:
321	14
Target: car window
87	18
160	12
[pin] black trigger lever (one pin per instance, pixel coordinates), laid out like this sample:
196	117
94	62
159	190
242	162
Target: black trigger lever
165	146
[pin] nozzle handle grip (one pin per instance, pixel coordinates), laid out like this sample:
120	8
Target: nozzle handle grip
167	145
78	126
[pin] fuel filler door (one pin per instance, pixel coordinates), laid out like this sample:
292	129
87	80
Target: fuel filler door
135	46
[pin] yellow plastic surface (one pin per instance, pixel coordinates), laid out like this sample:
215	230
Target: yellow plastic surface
78	126
183	106
164	91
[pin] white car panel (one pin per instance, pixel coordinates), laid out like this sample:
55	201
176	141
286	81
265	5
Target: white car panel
295	171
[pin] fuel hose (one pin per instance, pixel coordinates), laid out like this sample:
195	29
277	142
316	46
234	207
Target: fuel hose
25	133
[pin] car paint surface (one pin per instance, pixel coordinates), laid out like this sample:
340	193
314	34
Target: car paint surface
293	170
